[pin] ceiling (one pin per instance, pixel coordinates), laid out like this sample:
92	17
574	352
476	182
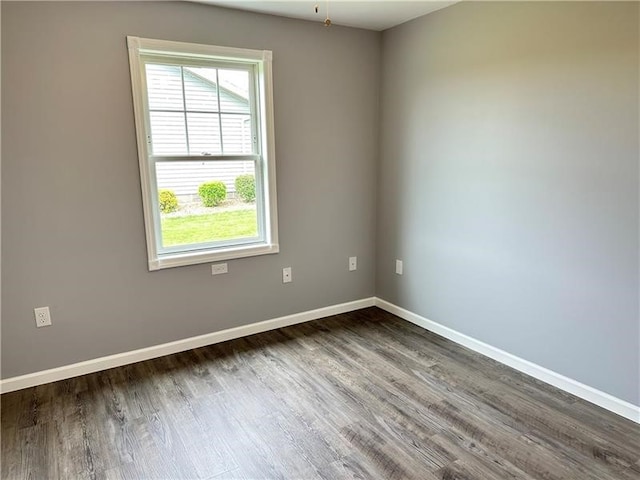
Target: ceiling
369	14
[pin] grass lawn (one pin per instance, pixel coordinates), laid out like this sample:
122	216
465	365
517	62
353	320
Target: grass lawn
209	227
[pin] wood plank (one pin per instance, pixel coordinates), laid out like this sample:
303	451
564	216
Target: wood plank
359	395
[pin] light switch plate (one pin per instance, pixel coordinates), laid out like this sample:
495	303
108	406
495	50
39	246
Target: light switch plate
399	267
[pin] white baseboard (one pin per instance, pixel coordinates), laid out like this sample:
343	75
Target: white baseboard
602	399
590	394
120	359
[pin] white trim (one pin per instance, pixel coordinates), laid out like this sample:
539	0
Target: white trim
206	256
268	145
138	88
590	394
257	61
169	47
120	359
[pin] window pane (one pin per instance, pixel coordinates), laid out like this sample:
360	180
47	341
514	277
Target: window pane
204	133
200	88
236	133
234	90
164	86
191	221
168	133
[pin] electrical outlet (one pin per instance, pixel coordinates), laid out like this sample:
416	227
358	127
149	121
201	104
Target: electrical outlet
353	263
43	316
286	275
219	268
399	267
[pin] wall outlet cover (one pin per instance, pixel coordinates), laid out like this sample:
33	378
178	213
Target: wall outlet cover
219	268
43	316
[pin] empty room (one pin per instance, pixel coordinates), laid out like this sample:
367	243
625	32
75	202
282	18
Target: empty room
320	240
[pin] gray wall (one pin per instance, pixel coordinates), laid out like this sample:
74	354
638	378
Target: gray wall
508	181
73	234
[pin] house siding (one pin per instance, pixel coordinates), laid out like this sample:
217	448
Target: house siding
203	135
184	178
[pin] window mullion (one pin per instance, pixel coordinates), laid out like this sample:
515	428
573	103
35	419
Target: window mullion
205	158
255	114
184	112
219	109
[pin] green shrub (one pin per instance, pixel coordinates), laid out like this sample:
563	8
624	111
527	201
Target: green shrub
212	193
246	187
168	201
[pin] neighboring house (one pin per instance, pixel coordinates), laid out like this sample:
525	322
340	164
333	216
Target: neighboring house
203	124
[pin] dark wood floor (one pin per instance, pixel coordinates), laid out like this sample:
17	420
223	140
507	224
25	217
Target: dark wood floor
361	395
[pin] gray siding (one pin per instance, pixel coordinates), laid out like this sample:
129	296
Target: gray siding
202	129
206	126
184	178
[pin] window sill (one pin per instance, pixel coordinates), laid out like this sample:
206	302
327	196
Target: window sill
195	258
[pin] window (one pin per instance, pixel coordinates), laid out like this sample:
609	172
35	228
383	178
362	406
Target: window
204	124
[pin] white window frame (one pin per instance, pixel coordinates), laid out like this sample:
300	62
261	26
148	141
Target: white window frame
265	171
